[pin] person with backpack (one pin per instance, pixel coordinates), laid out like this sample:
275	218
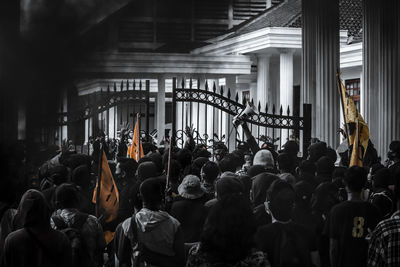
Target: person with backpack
285	242
35	244
151	237
83	230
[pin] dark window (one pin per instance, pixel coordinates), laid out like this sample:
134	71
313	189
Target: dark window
353	89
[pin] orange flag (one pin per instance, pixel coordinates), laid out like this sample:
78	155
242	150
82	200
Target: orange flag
133	151
108	195
360	137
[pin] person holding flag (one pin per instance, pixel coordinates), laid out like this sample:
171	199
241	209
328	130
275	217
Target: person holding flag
135	150
356	129
105	194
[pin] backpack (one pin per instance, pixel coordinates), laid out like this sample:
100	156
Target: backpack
142	256
73	232
287	250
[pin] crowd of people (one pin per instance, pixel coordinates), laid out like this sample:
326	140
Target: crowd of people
247	207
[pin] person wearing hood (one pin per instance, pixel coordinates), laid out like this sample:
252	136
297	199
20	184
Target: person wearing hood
35	243
259	188
151	235
189	208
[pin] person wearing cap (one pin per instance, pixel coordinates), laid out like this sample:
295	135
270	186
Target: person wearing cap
152	233
189	208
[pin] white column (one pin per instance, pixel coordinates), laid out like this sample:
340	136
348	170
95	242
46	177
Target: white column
262	82
160	108
87	130
202	110
327	58
286	79
111	123
286	85
212	118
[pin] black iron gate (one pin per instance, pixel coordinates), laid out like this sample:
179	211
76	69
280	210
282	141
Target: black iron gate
273	121
129	99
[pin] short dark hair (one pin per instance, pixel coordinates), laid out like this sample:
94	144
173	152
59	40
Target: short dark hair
325	166
67	196
307	166
151	192
229	229
227	164
210	171
285	162
355	178
281	197
129	166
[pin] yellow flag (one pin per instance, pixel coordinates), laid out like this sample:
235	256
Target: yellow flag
360	136
133	151
108	194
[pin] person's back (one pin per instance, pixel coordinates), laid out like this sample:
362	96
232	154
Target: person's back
88	228
35	244
191	213
285	242
27	248
153	234
349	223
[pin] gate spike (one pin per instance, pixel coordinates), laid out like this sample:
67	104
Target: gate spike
115	87
266	107
122	85
244	102
288	110
183	83
221	90
229	93
237	97
273	109
198	83
214	88
190	84
206	85
127	85
259	105
134	85
280	110
140	85
252	101
108	88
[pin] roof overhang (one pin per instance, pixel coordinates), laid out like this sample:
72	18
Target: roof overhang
351	55
256	41
114	64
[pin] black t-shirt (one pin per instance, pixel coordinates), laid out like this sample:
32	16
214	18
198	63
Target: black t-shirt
268	240
348	223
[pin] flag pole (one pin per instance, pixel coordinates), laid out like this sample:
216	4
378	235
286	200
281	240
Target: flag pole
339	85
138	139
100	170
